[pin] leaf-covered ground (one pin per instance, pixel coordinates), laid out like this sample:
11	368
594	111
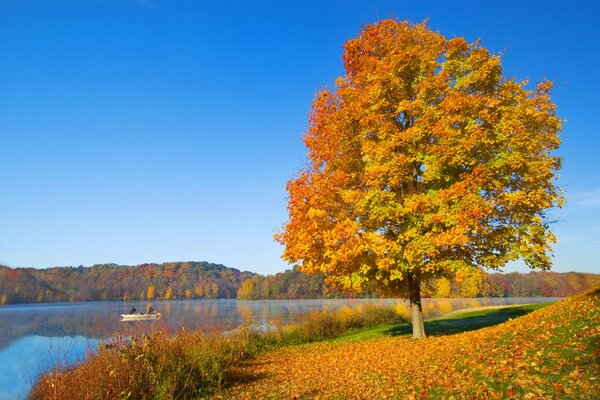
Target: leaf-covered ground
552	353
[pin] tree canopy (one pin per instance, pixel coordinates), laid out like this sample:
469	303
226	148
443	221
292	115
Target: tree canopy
423	160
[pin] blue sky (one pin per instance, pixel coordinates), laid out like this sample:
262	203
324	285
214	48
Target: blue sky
150	131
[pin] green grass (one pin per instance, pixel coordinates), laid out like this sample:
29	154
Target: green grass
460	322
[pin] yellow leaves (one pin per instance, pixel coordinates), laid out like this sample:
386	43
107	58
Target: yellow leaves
150	293
315	213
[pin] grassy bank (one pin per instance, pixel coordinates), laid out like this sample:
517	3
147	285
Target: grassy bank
189	365
365	352
459	321
155	366
550	353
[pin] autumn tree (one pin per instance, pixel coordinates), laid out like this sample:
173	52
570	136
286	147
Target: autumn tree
443	289
246	290
169	293
471	284
150	294
422	161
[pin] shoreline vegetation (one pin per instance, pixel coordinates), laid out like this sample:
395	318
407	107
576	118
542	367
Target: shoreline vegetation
202	280
537	351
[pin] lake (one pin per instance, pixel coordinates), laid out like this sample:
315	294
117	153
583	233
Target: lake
34	337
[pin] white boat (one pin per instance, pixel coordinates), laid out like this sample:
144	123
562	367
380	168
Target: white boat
139	317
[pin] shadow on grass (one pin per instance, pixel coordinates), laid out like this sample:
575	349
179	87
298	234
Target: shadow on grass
468	321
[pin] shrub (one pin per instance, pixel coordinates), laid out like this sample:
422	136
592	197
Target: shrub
328	324
155	366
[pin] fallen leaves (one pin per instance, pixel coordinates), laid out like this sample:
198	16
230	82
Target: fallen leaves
548	354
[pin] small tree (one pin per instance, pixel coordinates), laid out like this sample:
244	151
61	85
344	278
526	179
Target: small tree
443	289
423	161
150	294
246	290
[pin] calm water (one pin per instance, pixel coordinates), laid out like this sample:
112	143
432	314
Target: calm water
33	338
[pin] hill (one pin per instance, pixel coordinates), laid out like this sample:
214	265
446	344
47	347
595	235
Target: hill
174	280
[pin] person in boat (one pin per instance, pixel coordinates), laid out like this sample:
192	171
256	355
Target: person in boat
150	310
132	311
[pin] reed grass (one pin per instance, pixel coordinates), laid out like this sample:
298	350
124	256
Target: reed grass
190	364
327	324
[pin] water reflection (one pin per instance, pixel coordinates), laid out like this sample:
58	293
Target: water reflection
34	337
101	320
25	358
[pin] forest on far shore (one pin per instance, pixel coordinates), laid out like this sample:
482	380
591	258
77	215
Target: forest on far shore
203	280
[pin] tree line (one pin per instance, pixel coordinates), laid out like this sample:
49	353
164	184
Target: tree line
203	280
173	280
293	284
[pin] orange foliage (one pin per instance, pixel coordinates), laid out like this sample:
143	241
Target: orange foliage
423	160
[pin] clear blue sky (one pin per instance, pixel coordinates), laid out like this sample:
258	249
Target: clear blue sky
139	131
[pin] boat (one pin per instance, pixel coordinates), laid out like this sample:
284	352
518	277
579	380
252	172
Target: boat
140	317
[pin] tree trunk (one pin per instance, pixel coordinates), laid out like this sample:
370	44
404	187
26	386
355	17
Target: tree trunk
416	310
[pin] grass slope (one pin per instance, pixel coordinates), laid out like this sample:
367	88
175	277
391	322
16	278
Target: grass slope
552	353
459	321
